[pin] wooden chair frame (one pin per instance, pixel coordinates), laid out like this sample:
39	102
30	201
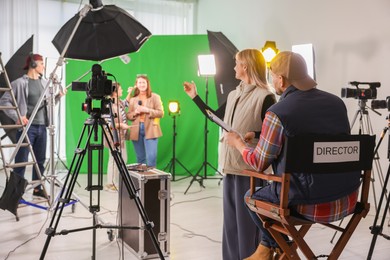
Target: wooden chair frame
277	219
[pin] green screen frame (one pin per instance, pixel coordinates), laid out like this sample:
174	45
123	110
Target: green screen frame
168	61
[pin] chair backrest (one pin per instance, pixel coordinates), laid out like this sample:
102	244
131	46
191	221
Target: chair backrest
321	154
329	153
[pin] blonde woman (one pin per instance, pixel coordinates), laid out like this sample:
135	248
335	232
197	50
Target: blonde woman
244	111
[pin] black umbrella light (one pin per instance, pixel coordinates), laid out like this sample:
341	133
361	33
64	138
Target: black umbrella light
105	32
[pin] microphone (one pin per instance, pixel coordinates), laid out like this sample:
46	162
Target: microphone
125	59
140	102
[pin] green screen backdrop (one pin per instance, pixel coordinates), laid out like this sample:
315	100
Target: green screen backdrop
168	61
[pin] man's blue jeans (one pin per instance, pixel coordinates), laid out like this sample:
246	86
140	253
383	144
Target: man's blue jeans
37	136
145	149
264	193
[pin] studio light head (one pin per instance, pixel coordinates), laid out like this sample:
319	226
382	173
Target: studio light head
174	108
206	65
361	93
269	51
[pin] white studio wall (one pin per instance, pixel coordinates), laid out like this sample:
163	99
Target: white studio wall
351	41
350	38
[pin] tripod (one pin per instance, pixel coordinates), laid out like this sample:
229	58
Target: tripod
377	229
172	163
367	129
91	127
197	177
362	112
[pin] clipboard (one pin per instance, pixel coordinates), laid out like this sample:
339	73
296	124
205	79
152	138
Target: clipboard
218	121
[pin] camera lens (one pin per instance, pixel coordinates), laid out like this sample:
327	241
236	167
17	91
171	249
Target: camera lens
379	104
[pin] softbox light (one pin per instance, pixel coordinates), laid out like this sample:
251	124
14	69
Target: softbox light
224	52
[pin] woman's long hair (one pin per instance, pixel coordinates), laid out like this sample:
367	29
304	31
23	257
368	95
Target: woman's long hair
148	90
256	66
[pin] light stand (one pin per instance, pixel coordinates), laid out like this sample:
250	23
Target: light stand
377	229
206	69
174	111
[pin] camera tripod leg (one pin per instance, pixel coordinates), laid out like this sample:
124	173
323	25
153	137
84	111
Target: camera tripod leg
66	192
70	182
133	193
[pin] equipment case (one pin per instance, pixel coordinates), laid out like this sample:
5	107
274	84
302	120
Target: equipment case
154	189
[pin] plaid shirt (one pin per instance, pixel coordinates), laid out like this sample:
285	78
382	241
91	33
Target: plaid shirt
268	149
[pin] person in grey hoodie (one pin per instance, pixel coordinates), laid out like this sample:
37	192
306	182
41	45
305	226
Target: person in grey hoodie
27	91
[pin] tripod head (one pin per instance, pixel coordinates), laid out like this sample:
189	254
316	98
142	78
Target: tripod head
362	103
100	113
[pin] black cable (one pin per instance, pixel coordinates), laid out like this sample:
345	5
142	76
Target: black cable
30	239
193	234
195	200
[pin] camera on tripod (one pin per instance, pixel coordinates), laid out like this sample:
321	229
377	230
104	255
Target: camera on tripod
381	104
97	88
361	93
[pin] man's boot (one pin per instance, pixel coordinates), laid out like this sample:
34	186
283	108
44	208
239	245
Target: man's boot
262	253
278	253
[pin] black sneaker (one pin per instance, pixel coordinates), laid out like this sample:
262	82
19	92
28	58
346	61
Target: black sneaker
39	193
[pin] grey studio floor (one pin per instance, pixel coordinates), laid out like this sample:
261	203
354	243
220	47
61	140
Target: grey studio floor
195	230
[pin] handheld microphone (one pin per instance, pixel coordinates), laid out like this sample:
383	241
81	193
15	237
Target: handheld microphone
125	59
140	102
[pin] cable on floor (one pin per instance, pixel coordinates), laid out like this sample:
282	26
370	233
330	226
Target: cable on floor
30	239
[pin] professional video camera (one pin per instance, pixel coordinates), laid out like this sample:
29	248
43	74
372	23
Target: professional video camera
98	88
361	93
379	104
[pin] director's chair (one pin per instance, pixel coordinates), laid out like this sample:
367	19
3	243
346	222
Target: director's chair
302	156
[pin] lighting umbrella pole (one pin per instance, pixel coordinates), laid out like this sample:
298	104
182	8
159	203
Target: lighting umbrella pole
59	63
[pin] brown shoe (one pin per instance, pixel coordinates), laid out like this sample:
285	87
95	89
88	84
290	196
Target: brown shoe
262	253
278	253
40	193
